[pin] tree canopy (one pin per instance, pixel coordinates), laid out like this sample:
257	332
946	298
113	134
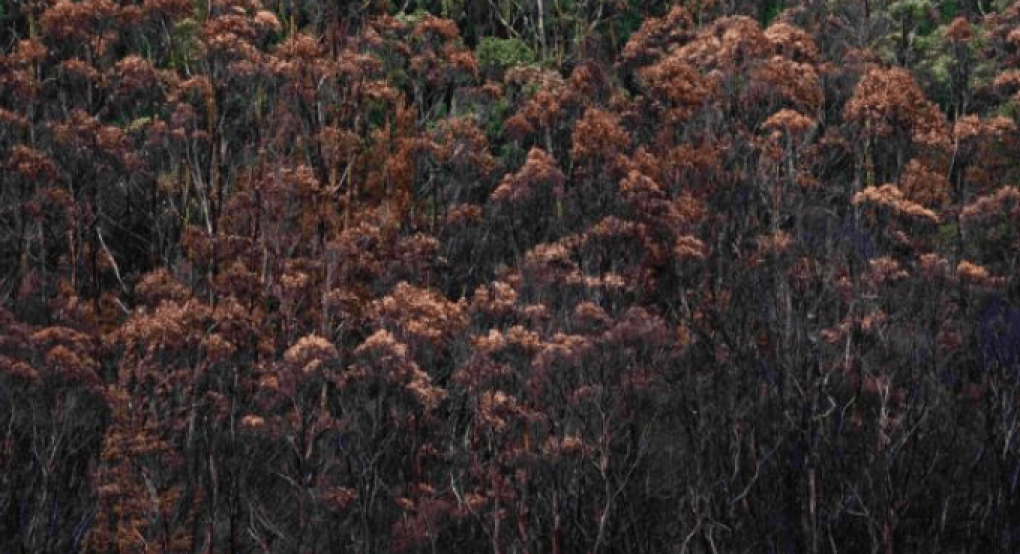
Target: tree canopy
551	276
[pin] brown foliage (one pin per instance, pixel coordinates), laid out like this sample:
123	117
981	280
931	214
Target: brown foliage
888	101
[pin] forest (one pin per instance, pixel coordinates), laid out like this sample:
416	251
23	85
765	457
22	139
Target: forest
509	276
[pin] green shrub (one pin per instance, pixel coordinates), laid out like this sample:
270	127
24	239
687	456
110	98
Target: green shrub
495	54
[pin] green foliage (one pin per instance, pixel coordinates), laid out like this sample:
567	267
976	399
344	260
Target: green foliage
946	237
202	8
627	24
397	77
949	10
769	9
909	8
185	43
440	8
450	8
138	124
501	54
494	119
915	15
1008	109
511	155
412	18
375	114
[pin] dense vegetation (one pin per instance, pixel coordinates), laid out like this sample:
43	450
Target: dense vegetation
499	276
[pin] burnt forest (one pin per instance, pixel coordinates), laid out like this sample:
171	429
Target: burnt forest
509	276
